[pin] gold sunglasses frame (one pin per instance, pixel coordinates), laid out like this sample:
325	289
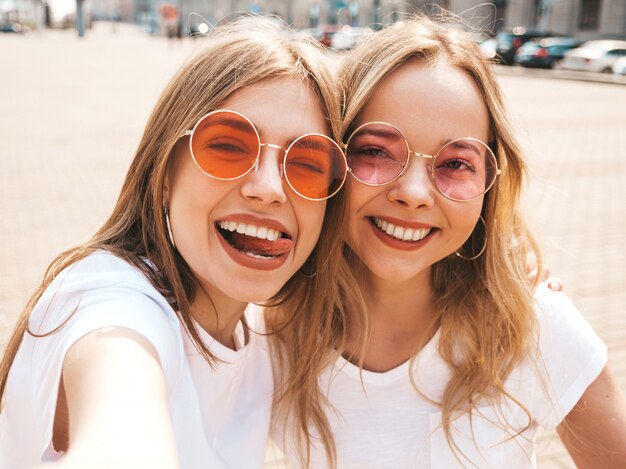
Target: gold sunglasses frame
410	152
255	165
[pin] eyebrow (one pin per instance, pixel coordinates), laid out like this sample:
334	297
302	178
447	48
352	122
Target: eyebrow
245	126
391	134
317	145
234	123
380	133
467	144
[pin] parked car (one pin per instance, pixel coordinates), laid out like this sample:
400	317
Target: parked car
619	67
545	53
14	27
594	56
509	41
348	37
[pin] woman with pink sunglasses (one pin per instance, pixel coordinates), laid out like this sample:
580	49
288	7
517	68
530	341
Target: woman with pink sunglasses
137	349
452	356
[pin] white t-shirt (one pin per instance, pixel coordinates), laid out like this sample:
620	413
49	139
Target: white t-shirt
220	416
384	422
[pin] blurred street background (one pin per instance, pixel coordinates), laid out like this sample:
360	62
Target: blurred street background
587	35
583	19
73	110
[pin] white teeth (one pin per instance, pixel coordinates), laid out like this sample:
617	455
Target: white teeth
257	256
404	234
420	234
262	232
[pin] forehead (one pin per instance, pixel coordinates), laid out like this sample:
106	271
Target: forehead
433	100
280	105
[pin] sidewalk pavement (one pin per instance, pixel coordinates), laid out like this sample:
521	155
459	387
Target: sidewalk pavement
572	75
73	112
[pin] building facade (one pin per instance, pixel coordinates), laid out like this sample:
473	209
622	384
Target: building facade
584	19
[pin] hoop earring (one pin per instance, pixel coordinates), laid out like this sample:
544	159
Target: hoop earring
307	275
482	249
302	272
166	214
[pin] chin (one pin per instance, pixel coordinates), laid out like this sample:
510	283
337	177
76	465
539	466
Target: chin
397	274
254	293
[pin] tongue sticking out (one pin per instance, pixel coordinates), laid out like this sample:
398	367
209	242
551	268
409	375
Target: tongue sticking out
258	246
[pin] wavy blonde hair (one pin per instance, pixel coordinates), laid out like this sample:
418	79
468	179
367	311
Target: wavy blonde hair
486	319
235	56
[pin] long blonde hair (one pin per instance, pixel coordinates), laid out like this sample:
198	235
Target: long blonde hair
235	56
486	319
485	311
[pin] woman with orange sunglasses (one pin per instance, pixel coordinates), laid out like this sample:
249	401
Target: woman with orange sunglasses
137	349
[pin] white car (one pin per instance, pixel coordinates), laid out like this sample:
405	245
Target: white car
619	67
347	37
594	56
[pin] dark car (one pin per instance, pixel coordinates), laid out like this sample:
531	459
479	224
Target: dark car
11	28
509	41
545	53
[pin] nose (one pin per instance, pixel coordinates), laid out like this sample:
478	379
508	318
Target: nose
415	188
264	184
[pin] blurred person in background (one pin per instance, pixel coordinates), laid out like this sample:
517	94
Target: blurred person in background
169	20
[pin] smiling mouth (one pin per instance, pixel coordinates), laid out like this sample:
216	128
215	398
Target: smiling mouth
256	241
408	235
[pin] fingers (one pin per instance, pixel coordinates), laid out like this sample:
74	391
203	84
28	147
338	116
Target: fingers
554	283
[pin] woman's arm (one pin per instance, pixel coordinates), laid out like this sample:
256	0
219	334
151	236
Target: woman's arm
117	403
594	432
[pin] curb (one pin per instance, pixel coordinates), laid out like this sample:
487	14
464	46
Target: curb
516	70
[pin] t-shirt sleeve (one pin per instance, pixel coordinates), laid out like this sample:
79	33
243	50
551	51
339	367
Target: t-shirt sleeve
571	356
101	291
88	311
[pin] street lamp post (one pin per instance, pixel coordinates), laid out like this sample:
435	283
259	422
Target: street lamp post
290	13
80	20
376	6
181	12
353	8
